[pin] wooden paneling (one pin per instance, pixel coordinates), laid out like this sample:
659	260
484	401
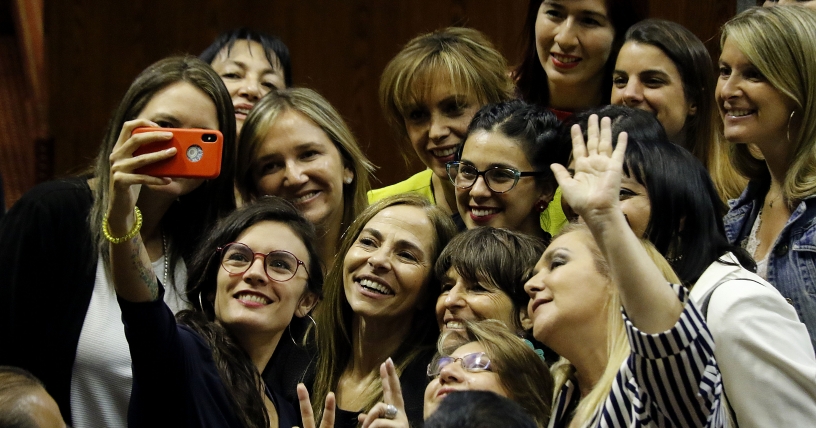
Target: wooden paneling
96	47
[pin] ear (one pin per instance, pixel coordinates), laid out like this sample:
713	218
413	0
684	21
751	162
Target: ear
307	302
692	110
524	320
348	175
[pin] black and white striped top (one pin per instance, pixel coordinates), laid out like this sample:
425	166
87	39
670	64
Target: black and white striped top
670	379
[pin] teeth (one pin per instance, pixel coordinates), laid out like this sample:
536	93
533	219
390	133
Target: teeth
454	325
445	152
484	212
739	113
304	197
242	110
375	286
565	59
253	298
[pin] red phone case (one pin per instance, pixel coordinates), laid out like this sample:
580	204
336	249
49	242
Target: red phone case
197	156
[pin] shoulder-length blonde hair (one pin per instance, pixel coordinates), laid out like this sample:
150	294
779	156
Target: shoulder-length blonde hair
617	342
463	56
522	372
312	105
334	315
780	42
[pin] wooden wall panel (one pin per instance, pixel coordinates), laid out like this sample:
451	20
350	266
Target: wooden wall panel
96	47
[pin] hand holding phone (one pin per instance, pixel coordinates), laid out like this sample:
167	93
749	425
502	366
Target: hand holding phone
198	153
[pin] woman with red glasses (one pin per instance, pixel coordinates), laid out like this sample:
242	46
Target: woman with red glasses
252	274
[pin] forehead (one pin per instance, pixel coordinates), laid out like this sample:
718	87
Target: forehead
645	56
468	348
594	6
247	51
484	148
405	222
292	128
185	103
577	242
267	236
732	54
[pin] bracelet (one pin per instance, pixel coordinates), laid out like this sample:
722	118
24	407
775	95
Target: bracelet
133	231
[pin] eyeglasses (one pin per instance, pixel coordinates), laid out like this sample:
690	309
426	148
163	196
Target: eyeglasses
473	362
280	265
498	179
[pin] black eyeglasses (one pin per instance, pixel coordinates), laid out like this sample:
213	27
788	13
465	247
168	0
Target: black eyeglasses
280	265
498	179
473	362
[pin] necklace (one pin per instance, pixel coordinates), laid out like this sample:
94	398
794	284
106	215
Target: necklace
771	202
166	259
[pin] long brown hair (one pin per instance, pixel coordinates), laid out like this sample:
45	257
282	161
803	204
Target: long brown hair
199	209
334	315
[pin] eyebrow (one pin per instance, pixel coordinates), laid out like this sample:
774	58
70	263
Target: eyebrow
269	70
401	243
548	255
492	165
596	15
169	117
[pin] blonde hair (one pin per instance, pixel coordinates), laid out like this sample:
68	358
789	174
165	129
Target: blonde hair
617	342
464	56
780	42
334	315
522	372
312	105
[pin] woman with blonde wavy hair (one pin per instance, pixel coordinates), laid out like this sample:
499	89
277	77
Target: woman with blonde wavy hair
767	99
295	145
616	366
429	92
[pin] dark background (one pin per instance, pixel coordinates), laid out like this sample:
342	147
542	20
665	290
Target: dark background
94	48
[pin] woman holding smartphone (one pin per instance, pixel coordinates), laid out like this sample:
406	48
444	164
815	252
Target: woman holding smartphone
74	342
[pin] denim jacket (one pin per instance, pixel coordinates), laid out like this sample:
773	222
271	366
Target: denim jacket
792	258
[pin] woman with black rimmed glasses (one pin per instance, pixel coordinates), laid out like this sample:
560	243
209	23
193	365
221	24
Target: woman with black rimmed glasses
502	176
254	272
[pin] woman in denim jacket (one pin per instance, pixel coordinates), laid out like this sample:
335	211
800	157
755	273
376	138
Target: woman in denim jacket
765	94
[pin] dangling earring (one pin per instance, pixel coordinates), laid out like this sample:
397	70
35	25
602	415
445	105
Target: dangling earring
790	118
347	180
200	300
540	206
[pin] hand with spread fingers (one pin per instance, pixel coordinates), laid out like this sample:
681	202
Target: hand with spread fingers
390	413
125	184
306	413
593	192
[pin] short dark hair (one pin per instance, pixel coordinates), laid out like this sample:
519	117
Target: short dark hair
685	224
531	79
534	128
478	409
493	257
277	53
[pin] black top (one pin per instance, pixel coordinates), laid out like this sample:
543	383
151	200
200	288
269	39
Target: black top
175	380
293	364
47	272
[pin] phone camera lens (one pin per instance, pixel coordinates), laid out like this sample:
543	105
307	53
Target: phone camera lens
209	138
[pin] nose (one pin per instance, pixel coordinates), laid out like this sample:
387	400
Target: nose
439	128
452	373
380	259
566	35
295	174
632	93
455	297
728	87
480	189
534	285
250	89
256	273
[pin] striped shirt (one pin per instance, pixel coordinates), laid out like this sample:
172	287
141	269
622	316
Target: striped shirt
670	379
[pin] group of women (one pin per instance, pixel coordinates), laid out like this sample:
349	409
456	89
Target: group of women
369	307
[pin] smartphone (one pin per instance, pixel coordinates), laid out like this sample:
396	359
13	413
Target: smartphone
198	153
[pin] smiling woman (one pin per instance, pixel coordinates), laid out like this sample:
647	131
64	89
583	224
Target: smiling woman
295	145
379	303
252	274
92	380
